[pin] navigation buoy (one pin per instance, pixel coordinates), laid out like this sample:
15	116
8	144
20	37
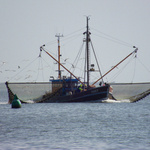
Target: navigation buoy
16	102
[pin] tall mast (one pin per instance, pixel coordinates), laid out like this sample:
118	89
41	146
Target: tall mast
87	49
59	71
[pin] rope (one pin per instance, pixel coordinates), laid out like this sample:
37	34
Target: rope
23	68
144	65
40	67
74	64
71	38
121	70
68	36
134	69
97	61
74	32
113	39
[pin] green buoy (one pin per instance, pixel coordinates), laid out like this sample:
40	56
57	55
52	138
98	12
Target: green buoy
16	102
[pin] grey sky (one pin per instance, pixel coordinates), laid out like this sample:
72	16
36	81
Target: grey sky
27	24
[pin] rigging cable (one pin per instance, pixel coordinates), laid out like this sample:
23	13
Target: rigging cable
51	67
40	67
134	68
76	36
113	39
68	38
77	58
143	65
121	70
54	41
23	68
75	31
96	60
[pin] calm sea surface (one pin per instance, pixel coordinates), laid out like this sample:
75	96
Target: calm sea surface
75	126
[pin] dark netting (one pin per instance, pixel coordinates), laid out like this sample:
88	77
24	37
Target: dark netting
128	90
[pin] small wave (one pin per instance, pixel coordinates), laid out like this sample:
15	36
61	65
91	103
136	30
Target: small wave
116	101
28	101
125	101
3	103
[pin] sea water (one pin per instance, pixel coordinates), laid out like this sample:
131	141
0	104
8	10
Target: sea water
75	126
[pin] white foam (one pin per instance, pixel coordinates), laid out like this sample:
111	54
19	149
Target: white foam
125	101
3	103
115	101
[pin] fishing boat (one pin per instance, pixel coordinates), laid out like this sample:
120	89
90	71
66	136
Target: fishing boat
71	89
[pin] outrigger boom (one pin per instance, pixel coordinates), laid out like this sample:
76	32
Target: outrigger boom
135	51
41	48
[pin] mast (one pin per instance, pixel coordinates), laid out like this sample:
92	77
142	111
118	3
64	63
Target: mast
41	48
87	49
59	71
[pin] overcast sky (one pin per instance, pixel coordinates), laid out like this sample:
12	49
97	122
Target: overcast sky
25	25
